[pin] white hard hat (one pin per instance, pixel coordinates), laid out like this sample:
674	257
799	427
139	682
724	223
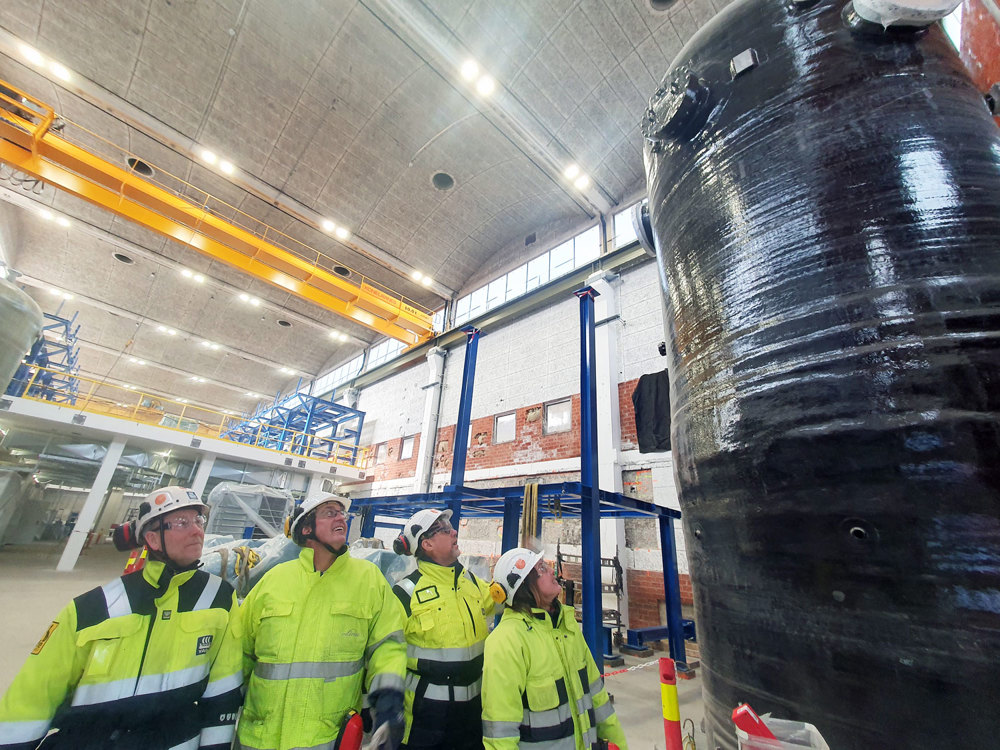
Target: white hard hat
162	501
510	571
294	521
408	542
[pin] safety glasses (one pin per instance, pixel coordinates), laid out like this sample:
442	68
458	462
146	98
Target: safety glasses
184	523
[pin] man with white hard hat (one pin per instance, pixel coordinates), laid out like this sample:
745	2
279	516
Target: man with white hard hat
150	660
318	632
447	608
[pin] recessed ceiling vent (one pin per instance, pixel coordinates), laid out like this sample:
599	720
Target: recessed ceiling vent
284	324
141	168
443	181
660	5
530	239
342	271
123	258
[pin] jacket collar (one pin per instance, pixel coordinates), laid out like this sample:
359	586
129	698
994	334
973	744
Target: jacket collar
442	573
306	560
540	617
156	574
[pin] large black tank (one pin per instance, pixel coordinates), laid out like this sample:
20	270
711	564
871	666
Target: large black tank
825	199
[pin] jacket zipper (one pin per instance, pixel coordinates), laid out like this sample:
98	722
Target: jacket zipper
471	618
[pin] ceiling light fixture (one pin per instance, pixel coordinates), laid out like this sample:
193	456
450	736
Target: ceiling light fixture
62	221
486	85
46	214
199	278
469	70
581	182
183	401
208	157
427	281
571	172
334	335
287	371
226	167
417	275
32	55
343	233
137	361
67	296
60	71
328	226
255	302
187	273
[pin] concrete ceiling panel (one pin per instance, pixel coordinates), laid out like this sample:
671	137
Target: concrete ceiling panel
351	115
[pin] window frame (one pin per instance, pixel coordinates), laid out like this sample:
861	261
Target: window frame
402	447
496	421
545	416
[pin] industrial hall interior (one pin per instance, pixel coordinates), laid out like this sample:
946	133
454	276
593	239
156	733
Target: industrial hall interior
570	374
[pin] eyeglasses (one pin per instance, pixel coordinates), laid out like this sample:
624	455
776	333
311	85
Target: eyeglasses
325	514
180	524
438	528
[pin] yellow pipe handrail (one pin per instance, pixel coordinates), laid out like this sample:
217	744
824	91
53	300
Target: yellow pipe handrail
149	409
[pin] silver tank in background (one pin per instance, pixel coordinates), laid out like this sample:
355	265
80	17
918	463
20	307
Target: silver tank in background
20	326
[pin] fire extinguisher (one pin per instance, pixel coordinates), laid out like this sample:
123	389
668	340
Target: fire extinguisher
352	732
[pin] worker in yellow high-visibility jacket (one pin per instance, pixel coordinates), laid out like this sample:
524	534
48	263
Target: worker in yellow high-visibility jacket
541	687
318	631
150	660
447	608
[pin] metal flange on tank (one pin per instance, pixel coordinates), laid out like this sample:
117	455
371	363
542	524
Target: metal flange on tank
21	326
824	189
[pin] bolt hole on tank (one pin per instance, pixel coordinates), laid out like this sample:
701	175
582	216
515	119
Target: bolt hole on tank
824	194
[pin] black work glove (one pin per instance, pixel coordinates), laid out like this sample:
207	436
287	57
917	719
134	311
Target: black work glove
388	705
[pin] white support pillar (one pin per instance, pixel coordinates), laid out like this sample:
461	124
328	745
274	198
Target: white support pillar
204	471
315	486
91	506
607	344
429	426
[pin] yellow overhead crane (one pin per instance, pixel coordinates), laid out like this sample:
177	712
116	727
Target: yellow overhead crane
28	143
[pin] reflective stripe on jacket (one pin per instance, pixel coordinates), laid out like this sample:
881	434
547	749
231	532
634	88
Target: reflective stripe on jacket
446	628
150	659
541	688
312	642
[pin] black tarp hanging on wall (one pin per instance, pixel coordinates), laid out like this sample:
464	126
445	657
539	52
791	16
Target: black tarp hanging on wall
651	399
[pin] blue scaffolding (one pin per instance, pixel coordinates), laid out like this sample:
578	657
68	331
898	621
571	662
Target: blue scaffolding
581	499
303	424
55	353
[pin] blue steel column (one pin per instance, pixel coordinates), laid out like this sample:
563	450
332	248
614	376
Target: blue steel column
672	589
511	518
461	447
590	503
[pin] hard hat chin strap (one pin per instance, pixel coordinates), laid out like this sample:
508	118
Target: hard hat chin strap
162	556
329	548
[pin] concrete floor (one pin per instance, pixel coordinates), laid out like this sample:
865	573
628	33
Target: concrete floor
32	593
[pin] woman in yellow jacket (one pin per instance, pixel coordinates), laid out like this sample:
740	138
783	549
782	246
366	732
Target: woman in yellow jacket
541	687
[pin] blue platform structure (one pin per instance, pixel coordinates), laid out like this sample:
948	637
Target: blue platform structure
58	352
581	499
295	422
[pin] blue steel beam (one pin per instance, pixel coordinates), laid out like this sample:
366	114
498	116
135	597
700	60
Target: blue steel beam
590	505
461	447
511	521
672	589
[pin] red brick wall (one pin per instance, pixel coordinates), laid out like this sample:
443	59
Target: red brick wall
528	446
630	436
645	594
